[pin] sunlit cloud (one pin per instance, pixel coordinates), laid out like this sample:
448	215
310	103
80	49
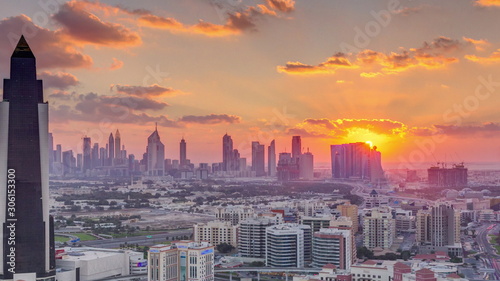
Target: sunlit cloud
480	44
488	3
431	55
211	119
493	58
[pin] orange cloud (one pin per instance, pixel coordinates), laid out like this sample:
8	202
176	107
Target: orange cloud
342	128
493	58
282	5
478	44
152	90
116	64
488	3
431	56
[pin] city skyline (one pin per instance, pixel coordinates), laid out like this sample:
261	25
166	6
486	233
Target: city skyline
242	70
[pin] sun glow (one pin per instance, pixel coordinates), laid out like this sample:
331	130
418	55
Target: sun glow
367	136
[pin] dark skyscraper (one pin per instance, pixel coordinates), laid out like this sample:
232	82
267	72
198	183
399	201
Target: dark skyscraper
227	153
87	154
118	141
258	159
182	156
111	150
271	159
28	237
296	147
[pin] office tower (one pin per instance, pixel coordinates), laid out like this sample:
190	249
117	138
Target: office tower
317	222
79	162
216	232
258	159
27	250
155	154
95	156
296	147
118	140
68	162
183	260
252	237
447	177
111	150
87	154
288	168
236	160
306	166
356	160
271	159
333	246
182	156
379	228
227	153
288	245
103	156
51	153
58	153
350	211
242	164
439	226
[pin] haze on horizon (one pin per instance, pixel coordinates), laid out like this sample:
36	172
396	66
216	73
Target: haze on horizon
418	79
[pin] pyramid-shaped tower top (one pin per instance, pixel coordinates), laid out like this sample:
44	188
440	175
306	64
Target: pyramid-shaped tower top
117	135
22	49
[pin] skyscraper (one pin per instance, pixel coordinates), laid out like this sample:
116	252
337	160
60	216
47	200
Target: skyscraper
155	155
258	159
271	159
118	140
356	160
28	230
51	153
227	153
306	166
87	154
182	156
111	150
296	147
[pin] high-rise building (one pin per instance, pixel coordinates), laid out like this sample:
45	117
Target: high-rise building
379	228
350	211
51	153
333	246
182	156
356	160
306	166
182	260
95	156
252	237
288	168
288	245
227	153
27	250
258	159
111	150
438	229
87	154
271	159
118	145
58	155
447	177
296	147
156	155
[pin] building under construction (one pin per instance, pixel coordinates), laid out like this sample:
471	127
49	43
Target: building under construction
441	176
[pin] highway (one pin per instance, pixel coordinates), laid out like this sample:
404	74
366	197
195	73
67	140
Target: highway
141	240
490	257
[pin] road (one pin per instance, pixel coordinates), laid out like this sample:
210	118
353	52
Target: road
141	240
490	257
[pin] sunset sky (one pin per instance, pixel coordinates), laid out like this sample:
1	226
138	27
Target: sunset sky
419	79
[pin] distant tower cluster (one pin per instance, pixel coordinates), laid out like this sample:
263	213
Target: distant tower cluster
356	160
155	155
230	156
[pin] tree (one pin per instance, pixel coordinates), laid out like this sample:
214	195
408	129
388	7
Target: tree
364	252
224	248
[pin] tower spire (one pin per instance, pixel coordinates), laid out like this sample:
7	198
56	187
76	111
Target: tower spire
22	49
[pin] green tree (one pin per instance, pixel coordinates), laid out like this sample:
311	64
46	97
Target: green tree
224	248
